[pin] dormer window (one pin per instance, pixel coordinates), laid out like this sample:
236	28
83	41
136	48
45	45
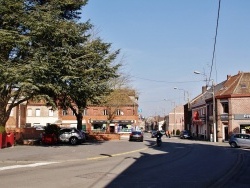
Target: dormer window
243	86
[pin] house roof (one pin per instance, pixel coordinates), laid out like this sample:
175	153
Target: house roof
235	86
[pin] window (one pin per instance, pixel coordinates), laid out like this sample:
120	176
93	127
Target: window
29	112
12	112
84	112
203	111
118	112
38	112
65	112
51	113
224	107
105	112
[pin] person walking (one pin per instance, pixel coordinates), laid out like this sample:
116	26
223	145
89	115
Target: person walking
169	136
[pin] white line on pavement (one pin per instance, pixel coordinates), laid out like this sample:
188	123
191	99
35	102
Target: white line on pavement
25	166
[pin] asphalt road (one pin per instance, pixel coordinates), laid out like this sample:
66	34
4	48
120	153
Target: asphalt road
177	163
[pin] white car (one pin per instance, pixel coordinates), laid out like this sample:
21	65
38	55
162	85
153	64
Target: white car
239	140
71	135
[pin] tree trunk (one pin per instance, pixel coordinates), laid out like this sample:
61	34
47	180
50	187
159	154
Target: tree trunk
3	117
79	121
108	128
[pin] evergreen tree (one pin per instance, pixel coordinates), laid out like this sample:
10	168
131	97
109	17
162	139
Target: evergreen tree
46	52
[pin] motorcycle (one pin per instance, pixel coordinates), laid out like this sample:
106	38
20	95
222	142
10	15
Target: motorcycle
158	140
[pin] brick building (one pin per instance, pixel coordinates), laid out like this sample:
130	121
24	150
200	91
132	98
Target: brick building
95	118
231	110
175	120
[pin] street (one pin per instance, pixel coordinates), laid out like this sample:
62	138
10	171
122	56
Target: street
177	163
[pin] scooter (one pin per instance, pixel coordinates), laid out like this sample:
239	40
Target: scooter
158	140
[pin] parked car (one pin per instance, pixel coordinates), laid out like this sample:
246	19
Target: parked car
71	135
185	134
239	140
86	135
136	136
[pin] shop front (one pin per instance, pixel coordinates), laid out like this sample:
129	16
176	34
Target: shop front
115	126
123	126
98	126
244	122
198	127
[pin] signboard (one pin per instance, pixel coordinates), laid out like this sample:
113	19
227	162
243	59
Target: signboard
242	116
224	117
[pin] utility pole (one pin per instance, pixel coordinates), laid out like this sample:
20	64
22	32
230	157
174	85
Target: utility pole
214	115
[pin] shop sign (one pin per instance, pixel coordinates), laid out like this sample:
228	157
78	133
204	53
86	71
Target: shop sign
224	117
122	121
98	121
241	116
210	118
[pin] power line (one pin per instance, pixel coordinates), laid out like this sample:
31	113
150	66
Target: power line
165	81
215	39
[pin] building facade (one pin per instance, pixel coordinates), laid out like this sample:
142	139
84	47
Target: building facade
175	120
95	118
222	110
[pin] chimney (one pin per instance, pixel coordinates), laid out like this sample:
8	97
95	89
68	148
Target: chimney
228	77
204	89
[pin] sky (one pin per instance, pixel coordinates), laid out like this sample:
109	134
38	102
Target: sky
163	42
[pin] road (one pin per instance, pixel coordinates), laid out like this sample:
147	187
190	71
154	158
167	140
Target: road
177	163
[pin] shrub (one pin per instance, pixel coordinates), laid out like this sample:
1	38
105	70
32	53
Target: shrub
178	132
2	129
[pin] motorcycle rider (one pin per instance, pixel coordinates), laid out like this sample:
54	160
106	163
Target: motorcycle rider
158	137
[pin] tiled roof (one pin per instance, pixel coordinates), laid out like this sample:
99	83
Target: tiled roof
237	85
234	86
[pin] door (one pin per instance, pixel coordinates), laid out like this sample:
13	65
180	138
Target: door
241	140
226	133
247	141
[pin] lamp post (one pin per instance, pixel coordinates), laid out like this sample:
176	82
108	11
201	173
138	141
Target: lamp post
185	91
214	122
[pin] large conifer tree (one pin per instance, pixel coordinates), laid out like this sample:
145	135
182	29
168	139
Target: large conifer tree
46	52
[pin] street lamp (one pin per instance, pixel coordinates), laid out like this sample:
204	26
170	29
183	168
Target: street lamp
214	122
185	91
198	72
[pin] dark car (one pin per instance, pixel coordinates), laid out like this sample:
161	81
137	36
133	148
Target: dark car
185	134
136	136
71	135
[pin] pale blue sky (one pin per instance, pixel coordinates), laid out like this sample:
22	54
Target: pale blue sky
164	41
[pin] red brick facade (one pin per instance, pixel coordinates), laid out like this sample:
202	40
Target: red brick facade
232	111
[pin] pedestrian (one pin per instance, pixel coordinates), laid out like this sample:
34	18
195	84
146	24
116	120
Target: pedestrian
169	136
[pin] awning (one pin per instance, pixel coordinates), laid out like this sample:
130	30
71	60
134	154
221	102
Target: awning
197	122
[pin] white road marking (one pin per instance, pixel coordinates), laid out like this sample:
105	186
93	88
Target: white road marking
26	166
